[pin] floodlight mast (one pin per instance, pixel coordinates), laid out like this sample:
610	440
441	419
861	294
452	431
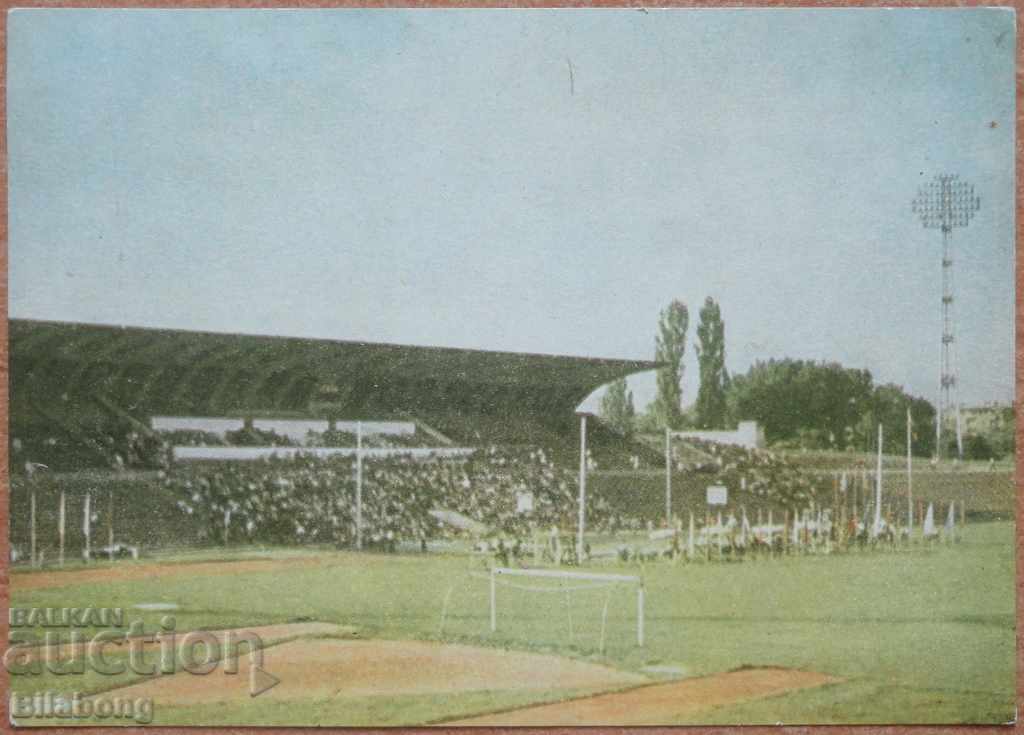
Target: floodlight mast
944	204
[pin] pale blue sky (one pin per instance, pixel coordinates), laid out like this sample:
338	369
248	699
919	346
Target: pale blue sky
433	177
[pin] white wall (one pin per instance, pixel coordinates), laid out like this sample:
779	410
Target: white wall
747	434
254	453
295	429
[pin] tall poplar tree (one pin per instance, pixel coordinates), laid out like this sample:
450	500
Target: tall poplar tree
710	345
669	347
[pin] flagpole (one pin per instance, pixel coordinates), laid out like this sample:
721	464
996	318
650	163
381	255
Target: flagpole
910	478
583	487
359	484
87	524
668	477
32	522
878	484
61	512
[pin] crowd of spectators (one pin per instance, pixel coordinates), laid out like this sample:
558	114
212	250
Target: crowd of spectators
338	438
99	441
192	438
754	476
283	501
514	491
306	498
250	436
89	444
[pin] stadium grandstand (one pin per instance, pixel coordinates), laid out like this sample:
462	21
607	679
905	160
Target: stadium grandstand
82	393
113	415
164	438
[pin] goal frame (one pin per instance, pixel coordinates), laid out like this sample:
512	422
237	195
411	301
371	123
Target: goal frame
566	574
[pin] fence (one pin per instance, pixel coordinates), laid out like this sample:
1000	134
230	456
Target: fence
988	494
144	514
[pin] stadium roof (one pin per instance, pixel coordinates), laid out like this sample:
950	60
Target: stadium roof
172	372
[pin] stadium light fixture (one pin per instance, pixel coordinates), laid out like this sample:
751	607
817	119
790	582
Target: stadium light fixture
944	204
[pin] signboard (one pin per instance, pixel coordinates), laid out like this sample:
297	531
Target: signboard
717	495
524	502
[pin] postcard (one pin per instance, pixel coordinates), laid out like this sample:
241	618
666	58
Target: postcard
550	367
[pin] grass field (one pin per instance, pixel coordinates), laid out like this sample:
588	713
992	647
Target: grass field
919	635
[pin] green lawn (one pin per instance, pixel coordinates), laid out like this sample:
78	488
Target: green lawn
923	635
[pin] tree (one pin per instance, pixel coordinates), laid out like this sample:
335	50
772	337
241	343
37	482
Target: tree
976	446
669	346
648	421
617	407
710	348
799	400
826	406
888	406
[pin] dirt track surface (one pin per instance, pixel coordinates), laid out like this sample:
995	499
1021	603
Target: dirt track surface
660	704
328	668
127	571
268	634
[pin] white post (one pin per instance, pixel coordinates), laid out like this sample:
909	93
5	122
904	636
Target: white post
668	477
568	612
494	602
689	539
878	484
583	488
32	524
938	420
910	478
640	615
61	511
359	484
604	619
864	488
87	525
110	523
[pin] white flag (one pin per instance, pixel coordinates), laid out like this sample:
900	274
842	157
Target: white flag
951	518
929	522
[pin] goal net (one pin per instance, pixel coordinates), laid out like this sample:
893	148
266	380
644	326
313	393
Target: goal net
589	607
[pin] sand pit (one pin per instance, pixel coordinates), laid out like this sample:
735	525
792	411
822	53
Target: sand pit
349	668
660	704
128	571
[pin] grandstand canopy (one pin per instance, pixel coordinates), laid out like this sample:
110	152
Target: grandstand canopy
57	368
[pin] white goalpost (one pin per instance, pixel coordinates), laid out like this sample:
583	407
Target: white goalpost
597	578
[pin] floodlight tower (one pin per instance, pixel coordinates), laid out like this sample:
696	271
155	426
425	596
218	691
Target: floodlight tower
944	204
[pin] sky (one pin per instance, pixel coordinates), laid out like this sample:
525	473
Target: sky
539	181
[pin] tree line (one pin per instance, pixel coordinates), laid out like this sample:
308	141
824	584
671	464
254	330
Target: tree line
800	403
711	410
823	405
